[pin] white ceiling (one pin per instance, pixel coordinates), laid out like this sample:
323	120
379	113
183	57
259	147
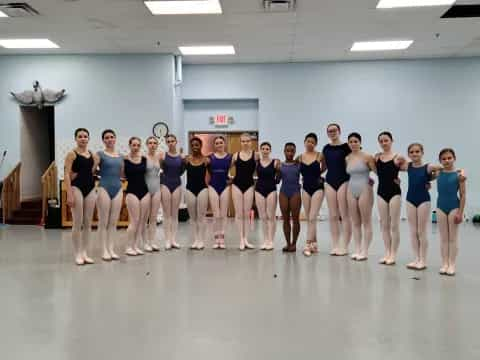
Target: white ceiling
318	30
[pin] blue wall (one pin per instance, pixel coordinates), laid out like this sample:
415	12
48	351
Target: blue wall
436	102
128	93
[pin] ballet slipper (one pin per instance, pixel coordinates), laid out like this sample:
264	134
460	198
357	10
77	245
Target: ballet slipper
390	262
362	258
114	256
148	248
88	260
79	260
383	261
200	245
412	265
307	250
248	245
222	242
421	266
106	256
175	245
139	252
314	247
443	270
451	270
130	252
168	245
155	247
242	244
354	256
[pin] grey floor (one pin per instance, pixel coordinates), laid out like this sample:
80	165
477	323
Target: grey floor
228	305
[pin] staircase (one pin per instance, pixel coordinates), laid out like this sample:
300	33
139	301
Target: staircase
30	213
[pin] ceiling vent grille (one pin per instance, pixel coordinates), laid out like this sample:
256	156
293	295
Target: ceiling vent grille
279	5
18	9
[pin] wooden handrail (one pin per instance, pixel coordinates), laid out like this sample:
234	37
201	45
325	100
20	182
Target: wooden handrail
49	187
11	193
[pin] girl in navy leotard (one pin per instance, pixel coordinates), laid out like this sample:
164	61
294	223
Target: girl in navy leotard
243	163
311	168
196	194
388	196
266	194
81	194
418	203
450	207
336	190
138	197
218	189
173	167
290	198
110	194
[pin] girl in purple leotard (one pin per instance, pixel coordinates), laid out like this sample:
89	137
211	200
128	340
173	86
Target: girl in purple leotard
173	167
218	190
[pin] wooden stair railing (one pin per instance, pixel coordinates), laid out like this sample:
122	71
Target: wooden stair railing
11	193
49	188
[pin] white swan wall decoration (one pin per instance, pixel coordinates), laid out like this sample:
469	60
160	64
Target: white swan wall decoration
38	97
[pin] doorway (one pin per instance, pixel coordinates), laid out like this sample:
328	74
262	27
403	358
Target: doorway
233	145
37	148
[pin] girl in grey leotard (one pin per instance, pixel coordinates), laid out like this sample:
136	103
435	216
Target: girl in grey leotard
152	179
360	196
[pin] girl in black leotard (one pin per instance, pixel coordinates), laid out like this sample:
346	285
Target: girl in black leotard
196	195
81	194
311	168
138	197
244	163
389	196
266	194
336	190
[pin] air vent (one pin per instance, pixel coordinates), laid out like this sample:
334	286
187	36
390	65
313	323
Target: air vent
462	11
279	5
18	9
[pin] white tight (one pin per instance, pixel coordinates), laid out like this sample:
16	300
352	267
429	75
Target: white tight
151	238
243	204
138	211
197	210
360	211
312	205
219	206
82	214
418	221
448	238
389	224
170	205
108	214
267	208
338	207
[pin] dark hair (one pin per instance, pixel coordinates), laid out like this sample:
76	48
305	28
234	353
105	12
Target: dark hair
134	138
150	138
355	135
334	124
79	130
266	143
290	144
219	137
196	138
447	150
312	136
171	136
415	144
108	131
386	133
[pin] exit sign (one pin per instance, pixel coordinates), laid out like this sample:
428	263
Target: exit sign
221	120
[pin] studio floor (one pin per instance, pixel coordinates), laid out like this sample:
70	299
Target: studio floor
214	304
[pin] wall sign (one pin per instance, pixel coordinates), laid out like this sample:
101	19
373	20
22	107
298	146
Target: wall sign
221	120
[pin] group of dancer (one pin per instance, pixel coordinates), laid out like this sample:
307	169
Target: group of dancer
155	179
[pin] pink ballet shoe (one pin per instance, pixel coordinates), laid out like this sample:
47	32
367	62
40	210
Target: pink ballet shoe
88	260
248	245
175	245
79	260
130	252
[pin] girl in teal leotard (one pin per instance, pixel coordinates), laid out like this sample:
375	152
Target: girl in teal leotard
450	207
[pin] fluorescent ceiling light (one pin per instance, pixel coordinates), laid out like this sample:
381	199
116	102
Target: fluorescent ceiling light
184	7
381	45
28	44
2	14
389	4
207	50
